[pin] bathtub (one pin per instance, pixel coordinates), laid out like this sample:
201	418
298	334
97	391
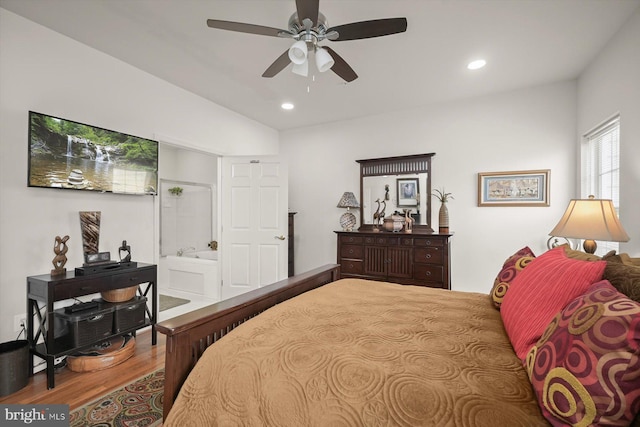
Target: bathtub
210	255
195	273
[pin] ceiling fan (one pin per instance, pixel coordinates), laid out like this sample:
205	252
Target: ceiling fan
307	26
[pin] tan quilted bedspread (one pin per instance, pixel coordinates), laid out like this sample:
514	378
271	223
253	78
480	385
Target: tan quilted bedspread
363	353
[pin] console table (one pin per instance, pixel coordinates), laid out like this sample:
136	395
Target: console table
44	290
418	258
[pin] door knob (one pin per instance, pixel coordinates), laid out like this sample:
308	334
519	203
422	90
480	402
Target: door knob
280	237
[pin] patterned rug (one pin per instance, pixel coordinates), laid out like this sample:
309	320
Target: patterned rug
137	404
167	302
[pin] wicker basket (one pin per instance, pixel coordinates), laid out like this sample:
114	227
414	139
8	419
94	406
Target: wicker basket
119	295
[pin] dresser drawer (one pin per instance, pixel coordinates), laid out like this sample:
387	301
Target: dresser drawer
428	273
124	280
351	251
429	242
351	239
382	240
351	266
431	255
406	241
77	288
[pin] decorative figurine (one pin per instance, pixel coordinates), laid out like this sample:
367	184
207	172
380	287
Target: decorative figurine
90	227
60	249
408	220
382	213
376	216
127	249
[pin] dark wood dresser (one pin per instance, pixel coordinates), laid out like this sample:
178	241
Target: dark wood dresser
407	258
291	260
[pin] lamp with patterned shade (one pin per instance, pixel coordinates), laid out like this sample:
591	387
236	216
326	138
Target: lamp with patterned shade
590	219
348	220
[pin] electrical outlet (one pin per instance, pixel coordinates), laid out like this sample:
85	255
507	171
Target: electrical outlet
19	322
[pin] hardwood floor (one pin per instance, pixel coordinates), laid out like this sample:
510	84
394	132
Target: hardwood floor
76	389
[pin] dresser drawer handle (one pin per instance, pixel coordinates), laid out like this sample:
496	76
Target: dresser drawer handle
350	251
428	256
428	273
429	242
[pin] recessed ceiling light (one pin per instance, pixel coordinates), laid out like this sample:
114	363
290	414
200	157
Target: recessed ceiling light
287	106
477	64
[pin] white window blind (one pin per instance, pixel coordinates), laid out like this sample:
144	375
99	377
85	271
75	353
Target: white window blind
601	168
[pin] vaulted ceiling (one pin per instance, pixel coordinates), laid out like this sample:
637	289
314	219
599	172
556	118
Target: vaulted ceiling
525	43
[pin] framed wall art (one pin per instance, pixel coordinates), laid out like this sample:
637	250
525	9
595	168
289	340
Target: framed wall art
514	188
408	192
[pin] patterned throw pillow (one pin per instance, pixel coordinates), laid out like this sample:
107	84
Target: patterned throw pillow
510	269
540	291
624	277
582	256
585	369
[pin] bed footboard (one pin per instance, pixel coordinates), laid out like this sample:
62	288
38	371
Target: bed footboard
189	335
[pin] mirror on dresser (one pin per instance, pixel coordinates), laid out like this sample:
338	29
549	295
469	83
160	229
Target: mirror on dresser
395	184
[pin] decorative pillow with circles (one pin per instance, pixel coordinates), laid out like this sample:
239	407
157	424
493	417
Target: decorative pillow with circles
510	269
585	369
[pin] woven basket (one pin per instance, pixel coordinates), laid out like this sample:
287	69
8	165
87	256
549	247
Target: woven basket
119	295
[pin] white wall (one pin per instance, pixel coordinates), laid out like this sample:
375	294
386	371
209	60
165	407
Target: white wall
610	85
531	128
44	71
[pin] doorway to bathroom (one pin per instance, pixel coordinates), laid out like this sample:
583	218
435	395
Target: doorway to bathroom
188	229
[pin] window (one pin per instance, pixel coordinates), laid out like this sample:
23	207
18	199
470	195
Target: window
601	168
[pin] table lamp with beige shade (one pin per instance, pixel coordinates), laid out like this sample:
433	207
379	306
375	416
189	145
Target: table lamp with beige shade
590	219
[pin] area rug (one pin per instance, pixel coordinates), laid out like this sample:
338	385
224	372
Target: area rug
137	404
167	302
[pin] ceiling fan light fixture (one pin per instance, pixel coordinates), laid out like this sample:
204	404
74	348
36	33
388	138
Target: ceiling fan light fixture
298	52
301	69
324	61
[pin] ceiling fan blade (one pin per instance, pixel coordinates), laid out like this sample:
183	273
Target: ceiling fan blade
308	9
247	28
340	66
278	65
368	29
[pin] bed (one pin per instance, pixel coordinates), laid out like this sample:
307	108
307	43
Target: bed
358	352
325	351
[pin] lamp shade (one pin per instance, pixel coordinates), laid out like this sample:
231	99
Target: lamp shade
301	69
591	219
298	52
324	61
348	200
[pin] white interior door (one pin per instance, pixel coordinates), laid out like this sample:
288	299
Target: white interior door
254	223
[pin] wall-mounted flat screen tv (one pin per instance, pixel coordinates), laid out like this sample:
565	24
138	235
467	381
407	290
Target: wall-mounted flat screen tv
68	154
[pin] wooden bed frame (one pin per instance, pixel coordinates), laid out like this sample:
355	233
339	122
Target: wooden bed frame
189	335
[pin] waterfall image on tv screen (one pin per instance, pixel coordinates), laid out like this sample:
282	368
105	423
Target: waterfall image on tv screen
68	154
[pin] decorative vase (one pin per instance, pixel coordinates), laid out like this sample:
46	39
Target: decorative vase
443	218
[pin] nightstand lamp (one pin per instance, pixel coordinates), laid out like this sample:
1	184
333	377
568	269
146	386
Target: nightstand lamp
590	219
348	220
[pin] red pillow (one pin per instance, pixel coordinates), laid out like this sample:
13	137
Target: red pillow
540	291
